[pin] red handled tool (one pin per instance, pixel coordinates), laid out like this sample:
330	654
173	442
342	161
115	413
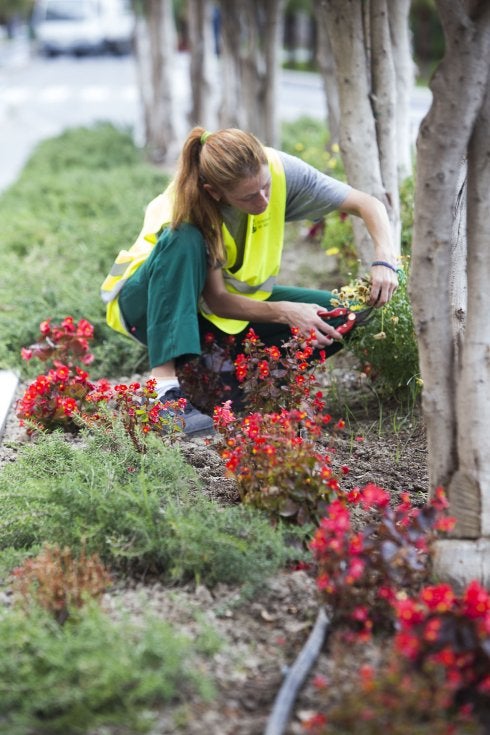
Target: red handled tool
351	317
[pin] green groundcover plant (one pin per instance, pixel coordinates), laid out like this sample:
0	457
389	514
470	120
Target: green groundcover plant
139	512
93	671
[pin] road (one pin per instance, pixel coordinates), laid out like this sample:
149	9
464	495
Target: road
39	98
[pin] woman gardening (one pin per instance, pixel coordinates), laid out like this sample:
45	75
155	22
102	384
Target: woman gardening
210	249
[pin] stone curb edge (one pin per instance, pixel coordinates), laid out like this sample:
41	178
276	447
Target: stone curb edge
8	386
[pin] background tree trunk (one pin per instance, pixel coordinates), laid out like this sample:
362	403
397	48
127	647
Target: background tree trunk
155	49
326	65
398	18
249	66
360	39
203	64
456	400
384	102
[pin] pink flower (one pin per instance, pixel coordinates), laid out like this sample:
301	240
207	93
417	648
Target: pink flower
438	598
476	601
223	415
409	612
45	327
374	497
85	329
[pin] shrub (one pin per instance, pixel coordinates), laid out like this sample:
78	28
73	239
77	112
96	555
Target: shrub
308	139
59	583
389	699
360	571
386	346
433	678
276	463
274	378
446	638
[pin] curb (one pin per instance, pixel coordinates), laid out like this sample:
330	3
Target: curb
8	385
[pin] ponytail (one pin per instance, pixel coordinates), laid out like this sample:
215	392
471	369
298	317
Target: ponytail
220	159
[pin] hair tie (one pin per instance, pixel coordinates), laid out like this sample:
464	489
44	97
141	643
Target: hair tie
205	136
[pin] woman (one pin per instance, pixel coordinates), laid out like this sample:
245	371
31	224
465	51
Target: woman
210	249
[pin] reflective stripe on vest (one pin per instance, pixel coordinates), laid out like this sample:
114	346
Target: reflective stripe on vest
158	213
244	288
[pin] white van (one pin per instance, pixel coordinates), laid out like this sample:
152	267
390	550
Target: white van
83	26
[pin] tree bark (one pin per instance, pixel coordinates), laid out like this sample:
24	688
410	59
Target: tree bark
155	48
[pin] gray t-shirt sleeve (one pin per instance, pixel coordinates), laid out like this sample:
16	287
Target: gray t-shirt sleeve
310	194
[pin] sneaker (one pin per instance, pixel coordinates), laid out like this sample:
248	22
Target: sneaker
195	422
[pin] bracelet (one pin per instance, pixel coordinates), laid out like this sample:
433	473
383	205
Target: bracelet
386	265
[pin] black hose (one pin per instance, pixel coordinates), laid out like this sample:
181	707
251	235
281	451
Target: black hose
296	676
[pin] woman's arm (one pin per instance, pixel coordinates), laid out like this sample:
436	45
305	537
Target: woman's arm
375	217
235	306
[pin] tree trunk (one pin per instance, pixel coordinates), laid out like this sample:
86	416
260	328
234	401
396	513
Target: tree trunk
326	64
203	66
155	48
456	400
231	111
249	65
360	40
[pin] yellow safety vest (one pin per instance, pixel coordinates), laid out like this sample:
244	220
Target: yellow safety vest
261	258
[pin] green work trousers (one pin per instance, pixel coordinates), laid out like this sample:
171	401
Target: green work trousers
159	302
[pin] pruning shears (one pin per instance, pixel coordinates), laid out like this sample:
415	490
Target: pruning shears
352	318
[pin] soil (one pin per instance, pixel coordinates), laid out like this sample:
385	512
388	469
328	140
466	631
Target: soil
262	637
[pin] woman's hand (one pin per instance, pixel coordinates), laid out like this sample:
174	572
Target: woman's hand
305	317
384	283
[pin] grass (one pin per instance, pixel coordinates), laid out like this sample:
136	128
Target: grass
78	201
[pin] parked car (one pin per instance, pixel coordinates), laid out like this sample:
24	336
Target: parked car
82	26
